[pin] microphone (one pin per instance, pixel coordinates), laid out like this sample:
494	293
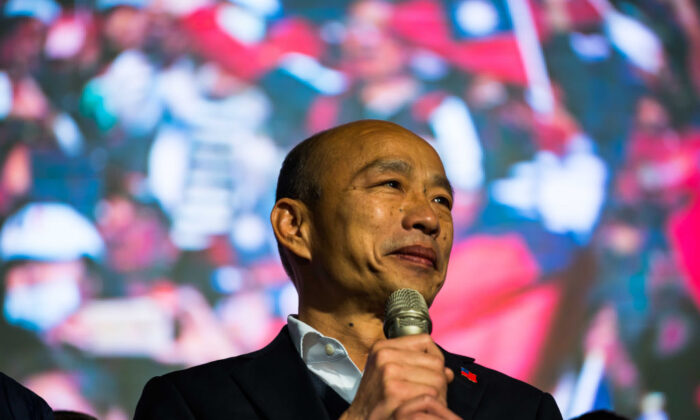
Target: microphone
406	313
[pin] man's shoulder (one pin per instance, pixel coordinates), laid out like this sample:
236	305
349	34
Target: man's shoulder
211	390
497	395
207	371
501	381
492	377
217	370
206	390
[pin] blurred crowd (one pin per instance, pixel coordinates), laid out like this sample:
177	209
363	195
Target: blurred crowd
140	142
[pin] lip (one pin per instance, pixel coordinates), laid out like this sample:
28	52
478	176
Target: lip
417	254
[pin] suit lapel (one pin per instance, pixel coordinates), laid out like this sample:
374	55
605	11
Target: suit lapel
463	395
277	382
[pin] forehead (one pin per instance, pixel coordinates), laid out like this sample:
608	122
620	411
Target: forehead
356	148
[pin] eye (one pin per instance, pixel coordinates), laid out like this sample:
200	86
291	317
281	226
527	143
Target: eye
392	183
444	201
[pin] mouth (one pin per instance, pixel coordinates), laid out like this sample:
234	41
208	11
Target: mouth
417	254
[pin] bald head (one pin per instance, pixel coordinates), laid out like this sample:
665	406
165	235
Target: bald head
301	171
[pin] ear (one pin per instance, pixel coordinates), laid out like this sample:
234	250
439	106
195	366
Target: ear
291	223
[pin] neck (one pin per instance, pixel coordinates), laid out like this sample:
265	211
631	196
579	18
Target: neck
357	330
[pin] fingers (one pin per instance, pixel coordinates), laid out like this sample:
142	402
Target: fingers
406	369
410	381
415	360
423	407
388	356
419	342
419	407
416	350
449	374
404	389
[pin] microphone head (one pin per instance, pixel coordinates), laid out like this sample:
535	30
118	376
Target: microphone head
406	314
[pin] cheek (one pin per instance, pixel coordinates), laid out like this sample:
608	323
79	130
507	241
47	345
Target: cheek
366	212
378	215
447	233
448	228
380	223
365	222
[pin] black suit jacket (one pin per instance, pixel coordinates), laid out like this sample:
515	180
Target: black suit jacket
19	403
273	383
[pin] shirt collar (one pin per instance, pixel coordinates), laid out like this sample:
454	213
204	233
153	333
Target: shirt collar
325	357
306	338
297	330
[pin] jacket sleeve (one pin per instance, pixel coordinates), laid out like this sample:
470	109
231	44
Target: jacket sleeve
548	409
160	399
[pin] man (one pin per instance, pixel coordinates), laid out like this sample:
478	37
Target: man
362	210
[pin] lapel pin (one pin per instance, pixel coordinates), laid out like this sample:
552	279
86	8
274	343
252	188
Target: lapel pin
469	375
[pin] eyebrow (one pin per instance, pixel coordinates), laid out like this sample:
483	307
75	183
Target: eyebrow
386	165
396	165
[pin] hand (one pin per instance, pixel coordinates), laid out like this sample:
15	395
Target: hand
404	378
424	407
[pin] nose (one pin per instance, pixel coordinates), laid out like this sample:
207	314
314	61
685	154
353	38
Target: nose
419	214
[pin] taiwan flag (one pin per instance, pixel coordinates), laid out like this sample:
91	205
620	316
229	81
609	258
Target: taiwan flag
477	36
246	44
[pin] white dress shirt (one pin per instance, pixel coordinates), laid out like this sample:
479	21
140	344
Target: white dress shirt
326	357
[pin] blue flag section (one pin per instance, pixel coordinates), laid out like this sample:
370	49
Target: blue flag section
474	19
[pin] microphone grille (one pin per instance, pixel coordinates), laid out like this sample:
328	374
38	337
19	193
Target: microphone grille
403	299
406	314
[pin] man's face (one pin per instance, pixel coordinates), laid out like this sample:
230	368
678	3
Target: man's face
383	221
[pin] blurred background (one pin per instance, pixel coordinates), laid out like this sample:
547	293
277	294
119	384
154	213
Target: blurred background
140	142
